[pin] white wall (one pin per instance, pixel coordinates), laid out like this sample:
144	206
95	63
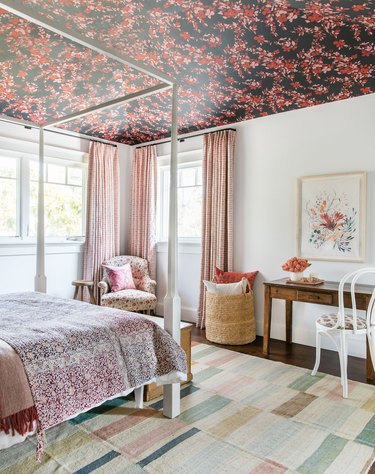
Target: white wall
271	152
63	261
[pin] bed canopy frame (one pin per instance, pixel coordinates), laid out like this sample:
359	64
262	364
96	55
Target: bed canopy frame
172	303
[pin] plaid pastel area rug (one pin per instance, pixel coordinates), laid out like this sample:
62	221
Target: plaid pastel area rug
242	414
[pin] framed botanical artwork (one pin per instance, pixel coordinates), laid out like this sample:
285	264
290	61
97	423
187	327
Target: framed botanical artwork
332	217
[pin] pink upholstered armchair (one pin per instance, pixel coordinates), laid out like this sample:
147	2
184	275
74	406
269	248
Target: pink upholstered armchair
141	299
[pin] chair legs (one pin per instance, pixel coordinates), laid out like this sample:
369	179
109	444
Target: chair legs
343	354
318	350
371	343
342	347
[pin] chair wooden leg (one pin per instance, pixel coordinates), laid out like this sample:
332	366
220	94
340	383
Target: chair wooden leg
76	289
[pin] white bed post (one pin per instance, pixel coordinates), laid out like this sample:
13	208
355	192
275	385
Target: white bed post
172	302
40	281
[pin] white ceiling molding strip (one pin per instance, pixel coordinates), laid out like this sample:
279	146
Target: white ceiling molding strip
25	123
59	131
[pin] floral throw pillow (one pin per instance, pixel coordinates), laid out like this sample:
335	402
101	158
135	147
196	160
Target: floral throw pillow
232	277
120	278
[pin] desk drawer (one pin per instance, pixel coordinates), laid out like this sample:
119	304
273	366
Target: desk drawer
311	297
283	293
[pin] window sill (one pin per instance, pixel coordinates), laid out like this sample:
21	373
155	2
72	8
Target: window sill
184	247
29	248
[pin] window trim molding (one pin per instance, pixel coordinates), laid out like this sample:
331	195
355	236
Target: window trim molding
184	247
52	248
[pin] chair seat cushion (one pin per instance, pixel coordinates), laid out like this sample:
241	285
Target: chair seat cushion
130	300
330	320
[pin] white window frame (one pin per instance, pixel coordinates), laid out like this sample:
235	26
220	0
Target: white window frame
18	194
186	159
23	194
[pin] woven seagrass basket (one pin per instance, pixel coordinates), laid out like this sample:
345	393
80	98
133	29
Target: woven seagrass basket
230	318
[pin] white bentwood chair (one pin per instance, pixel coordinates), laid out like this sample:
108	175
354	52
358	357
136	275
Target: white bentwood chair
338	326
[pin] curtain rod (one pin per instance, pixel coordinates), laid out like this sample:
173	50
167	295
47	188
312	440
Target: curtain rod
29	127
182	139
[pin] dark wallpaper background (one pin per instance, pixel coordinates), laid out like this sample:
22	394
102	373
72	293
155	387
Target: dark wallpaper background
234	60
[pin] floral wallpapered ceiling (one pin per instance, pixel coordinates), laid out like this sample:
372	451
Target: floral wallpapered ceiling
234	59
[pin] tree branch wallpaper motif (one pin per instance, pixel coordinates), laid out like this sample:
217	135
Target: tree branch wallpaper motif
234	60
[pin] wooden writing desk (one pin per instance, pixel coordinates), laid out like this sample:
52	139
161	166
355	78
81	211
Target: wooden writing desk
326	294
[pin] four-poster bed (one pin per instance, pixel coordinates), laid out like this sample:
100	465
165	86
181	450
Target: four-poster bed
172	305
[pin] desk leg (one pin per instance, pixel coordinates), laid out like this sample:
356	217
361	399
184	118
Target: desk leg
370	369
267	320
288	321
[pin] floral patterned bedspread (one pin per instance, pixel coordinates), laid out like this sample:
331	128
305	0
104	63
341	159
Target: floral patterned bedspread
77	355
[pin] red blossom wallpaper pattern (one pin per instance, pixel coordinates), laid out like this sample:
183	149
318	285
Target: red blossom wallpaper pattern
234	60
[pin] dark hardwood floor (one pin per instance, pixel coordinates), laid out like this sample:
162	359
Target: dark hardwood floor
296	354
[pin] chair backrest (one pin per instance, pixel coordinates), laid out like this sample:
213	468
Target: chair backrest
352	278
138	265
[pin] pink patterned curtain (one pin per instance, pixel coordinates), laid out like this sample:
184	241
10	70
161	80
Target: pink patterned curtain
217	218
143	208
102	213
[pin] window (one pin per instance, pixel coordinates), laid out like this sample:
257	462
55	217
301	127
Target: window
189	194
9	196
64	198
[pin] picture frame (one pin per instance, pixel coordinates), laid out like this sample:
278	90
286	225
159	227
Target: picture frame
331	217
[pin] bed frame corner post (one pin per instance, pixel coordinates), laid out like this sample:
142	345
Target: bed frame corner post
40	281
172	301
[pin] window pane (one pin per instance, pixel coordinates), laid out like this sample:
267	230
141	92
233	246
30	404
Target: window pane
34	170
75	176
186	177
189	195
199	177
189	212
56	174
8	167
8	207
63	210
